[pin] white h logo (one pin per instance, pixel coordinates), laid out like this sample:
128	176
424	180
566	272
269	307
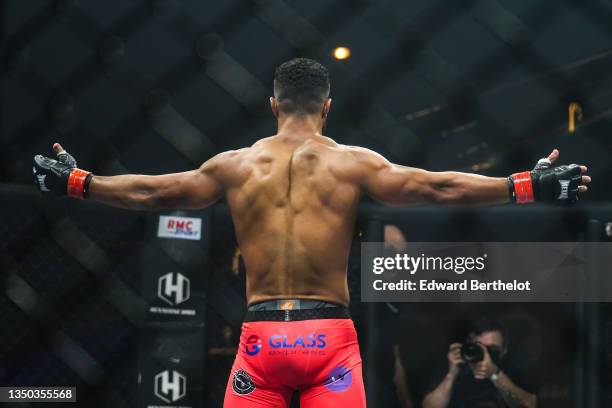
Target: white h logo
564	189
173	292
170	391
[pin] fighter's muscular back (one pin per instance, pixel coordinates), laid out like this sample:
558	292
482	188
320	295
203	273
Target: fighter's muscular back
293	201
293	198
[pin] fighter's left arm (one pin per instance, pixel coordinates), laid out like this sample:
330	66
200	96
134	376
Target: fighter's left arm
393	184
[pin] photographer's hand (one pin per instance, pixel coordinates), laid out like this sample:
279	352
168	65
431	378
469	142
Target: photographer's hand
513	395
486	367
454	359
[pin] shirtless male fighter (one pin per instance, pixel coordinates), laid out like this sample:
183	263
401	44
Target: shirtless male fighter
293	198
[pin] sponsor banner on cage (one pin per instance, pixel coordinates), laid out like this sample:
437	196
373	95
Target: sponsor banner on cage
167	378
173	290
487	272
171	226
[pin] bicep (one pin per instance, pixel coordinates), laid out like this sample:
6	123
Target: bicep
191	189
394	184
200	189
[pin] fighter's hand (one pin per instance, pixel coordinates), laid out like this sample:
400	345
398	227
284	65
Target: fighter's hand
485	367
559	185
454	359
60	176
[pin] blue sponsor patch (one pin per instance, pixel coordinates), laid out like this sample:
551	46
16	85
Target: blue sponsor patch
339	379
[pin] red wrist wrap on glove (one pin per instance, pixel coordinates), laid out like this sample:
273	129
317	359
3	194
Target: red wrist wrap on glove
76	183
523	187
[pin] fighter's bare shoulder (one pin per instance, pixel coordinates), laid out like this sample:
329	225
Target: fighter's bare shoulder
361	152
358	163
223	159
225	168
263	141
364	157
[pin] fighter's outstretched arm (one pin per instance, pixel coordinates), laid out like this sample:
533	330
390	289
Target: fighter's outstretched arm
187	190
397	185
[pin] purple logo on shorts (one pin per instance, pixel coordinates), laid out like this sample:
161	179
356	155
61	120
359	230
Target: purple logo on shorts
339	379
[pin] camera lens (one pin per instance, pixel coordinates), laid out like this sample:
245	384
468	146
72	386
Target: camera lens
472	352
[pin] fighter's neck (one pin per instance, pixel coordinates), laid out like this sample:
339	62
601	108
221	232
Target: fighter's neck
293	124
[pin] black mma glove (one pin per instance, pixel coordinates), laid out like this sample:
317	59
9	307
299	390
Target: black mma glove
545	183
61	176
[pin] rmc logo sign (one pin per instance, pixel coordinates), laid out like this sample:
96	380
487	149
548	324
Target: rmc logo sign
173	288
170	389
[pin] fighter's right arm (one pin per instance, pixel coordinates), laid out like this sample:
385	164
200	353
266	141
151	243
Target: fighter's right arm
187	190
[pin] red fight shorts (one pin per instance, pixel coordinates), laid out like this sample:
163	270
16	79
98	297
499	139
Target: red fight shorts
317	357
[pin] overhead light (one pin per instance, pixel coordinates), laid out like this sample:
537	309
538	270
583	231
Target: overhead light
341	53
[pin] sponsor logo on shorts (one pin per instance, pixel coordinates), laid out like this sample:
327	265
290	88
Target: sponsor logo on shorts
282	341
253	345
242	383
339	379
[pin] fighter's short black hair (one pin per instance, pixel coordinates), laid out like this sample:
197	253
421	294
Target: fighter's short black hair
301	86
488	324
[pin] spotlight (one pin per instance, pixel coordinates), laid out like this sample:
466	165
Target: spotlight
341	53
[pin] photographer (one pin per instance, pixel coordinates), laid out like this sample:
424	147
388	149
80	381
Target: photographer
479	374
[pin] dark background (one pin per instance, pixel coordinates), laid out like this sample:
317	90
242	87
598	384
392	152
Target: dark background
160	86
